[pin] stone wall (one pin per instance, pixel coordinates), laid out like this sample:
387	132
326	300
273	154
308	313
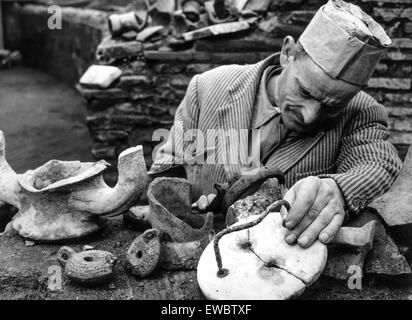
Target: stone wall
155	77
65	53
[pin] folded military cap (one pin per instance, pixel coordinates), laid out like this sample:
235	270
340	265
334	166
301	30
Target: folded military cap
345	42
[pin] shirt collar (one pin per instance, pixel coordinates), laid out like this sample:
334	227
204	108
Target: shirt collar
264	110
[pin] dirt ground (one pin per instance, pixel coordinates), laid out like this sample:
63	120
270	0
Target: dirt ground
42	119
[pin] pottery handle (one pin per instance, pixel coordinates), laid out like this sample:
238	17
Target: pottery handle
64	254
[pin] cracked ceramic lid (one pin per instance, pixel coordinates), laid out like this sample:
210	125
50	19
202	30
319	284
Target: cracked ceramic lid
260	264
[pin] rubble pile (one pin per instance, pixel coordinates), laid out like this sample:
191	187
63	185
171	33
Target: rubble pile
179	39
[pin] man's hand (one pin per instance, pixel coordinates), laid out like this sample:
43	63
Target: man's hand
203	201
317	211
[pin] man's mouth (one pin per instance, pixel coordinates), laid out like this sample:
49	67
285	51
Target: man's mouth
297	117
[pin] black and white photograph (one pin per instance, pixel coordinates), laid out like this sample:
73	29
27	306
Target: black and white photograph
205	155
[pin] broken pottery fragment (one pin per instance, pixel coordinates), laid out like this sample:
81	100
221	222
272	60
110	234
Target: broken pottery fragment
255	204
148	251
143	255
148	32
259	264
191	9
225	8
164	6
215	30
124	22
160	18
395	206
258	5
66	199
248	184
180	24
171	211
100	76
91	267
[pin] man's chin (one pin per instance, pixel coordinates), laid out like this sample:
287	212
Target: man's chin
294	126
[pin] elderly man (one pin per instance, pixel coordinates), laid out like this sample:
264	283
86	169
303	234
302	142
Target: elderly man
314	122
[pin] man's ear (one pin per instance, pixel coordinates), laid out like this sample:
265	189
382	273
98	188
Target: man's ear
288	50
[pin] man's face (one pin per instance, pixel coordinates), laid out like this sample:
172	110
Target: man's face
308	97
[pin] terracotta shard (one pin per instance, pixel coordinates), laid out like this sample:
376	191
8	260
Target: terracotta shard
148	32
249	184
269	192
171	211
143	255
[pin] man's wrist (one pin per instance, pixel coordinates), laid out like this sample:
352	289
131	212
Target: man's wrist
344	204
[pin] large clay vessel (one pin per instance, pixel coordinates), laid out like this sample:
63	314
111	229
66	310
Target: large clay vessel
66	199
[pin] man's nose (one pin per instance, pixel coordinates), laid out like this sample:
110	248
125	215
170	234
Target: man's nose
311	111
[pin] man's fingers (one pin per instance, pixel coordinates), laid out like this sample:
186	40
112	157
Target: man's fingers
314	215
332	229
313	231
305	195
319	210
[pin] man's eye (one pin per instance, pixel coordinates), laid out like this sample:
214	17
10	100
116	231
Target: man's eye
304	93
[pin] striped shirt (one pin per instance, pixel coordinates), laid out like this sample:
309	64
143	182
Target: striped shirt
354	151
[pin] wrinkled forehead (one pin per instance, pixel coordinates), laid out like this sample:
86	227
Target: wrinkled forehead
320	85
